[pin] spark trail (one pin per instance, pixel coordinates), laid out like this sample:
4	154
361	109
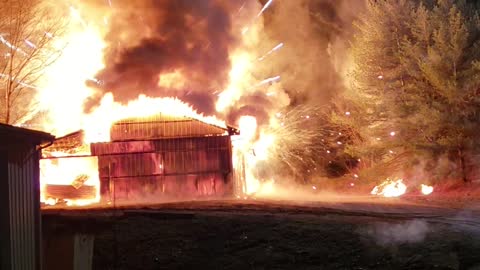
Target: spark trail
279	46
264	8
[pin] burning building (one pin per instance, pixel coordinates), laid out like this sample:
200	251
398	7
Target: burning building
152	158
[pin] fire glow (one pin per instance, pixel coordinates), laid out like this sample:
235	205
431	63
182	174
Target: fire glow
97	126
70	173
426	190
82	57
390	188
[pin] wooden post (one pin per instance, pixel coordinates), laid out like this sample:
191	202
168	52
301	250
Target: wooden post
83	252
68	251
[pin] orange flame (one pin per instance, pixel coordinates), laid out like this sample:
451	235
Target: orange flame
62	89
254	148
81	59
390	188
73	174
97	124
426	190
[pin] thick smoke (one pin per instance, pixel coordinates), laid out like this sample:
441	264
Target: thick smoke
150	40
181	48
315	34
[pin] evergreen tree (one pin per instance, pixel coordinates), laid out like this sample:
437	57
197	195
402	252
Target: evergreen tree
415	82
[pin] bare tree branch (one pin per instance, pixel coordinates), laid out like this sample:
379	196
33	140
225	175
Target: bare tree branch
25	51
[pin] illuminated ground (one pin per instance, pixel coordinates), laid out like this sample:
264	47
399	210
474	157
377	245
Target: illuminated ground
252	234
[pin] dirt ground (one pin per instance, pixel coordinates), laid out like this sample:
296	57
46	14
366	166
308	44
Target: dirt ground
253	234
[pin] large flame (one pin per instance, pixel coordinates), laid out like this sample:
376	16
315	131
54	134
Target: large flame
390	188
63	92
73	174
255	142
254	147
97	124
62	88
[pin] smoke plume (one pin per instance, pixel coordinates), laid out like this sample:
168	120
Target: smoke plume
182	48
413	231
316	35
150	41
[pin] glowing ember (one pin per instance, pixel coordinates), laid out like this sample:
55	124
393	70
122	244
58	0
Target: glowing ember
390	188
426	190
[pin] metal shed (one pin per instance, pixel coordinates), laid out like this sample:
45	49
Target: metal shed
20	197
151	159
164	157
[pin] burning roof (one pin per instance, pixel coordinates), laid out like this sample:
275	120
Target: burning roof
163	126
159	126
70	144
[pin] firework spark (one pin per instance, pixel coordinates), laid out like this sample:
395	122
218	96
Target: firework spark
264	8
30	44
2	75
296	143
246	28
279	46
269	80
11	46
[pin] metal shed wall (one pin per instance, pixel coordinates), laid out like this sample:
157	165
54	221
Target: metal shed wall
20	204
169	168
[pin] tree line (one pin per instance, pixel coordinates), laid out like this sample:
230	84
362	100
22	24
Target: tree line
413	87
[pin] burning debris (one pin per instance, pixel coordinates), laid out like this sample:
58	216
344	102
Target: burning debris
390	188
68	172
426	190
73	180
397	188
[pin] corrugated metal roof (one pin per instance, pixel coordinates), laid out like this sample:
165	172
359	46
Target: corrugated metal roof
148	128
12	133
163	126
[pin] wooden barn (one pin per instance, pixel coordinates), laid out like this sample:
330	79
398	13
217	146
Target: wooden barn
159	158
